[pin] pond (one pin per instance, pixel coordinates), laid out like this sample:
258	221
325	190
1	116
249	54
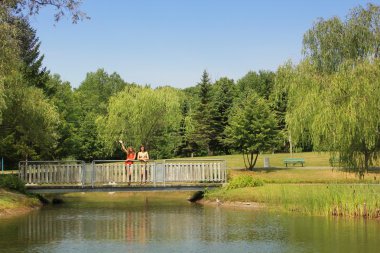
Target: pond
175	225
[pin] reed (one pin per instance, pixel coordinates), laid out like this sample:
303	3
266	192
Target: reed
314	199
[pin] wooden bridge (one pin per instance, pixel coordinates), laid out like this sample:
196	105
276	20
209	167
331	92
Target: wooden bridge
115	175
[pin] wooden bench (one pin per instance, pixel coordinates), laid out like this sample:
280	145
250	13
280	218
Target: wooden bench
294	161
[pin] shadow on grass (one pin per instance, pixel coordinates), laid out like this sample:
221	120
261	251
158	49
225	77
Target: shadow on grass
269	170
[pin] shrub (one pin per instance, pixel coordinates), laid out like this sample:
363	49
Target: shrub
244	181
12	182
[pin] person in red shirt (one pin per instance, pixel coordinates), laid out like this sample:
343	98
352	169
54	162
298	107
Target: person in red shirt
131	156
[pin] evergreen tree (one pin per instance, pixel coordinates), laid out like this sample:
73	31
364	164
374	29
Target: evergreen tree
202	117
35	74
224	93
184	148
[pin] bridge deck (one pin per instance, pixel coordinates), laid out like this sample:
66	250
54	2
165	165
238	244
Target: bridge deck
118	188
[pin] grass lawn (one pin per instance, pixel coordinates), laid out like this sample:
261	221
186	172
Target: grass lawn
304	175
316	189
317	169
312	159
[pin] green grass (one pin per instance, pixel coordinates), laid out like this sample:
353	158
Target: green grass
304	175
312	159
339	200
316	189
13	200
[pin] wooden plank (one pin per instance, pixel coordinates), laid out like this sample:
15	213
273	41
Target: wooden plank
54	174
38	168
46	179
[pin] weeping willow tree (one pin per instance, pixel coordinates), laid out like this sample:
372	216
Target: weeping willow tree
338	112
141	115
334	93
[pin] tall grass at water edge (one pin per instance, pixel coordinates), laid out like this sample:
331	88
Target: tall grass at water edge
328	199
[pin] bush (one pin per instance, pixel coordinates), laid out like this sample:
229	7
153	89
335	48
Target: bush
12	182
244	181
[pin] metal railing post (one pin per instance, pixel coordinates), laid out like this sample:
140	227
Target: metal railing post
154	173
83	179
92	173
164	172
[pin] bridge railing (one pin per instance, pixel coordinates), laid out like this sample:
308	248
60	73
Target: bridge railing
52	172
166	171
208	170
118	172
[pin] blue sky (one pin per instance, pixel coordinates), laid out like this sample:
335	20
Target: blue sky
171	42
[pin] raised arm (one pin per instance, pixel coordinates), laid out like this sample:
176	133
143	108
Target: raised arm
123	147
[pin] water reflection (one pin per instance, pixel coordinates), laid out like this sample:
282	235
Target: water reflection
165	228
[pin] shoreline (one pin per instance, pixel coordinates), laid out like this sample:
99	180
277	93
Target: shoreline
232	204
12	212
15	203
315	199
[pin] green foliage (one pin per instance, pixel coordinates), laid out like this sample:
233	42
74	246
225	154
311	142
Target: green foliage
32	70
333	95
61	8
28	119
221	104
260	83
202	115
12	182
9	51
62	97
331	42
92	98
141	115
311	199
30	122
244	181
185	147
253	128
94	92
339	111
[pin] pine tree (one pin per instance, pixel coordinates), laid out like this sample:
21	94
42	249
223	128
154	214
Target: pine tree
203	115
29	45
224	90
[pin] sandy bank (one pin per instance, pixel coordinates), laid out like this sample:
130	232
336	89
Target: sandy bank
232	204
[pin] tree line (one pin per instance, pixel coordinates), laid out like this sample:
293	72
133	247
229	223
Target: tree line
329	101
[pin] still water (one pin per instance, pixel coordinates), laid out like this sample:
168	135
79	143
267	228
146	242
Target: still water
178	226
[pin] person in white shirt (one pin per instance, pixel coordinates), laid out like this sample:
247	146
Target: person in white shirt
143	157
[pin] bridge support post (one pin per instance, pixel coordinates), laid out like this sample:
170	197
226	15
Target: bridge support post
92	173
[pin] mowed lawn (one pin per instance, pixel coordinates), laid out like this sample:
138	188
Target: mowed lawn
307	176
317	169
312	159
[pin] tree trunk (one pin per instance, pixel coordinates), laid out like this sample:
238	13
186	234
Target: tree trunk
366	165
245	164
250	160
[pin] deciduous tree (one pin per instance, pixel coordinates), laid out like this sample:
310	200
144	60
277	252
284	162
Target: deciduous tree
141	115
253	128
